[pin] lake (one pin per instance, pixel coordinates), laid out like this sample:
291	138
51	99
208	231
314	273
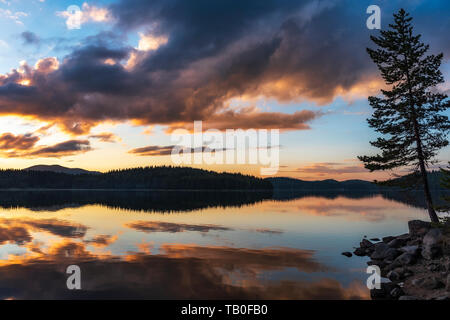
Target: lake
192	245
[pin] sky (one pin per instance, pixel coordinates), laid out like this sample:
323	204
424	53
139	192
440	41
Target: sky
110	93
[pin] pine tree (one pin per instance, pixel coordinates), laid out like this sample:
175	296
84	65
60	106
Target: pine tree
408	116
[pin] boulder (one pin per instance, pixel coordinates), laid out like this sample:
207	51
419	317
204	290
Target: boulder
432	244
446	245
388	239
396	243
375	239
396	293
374	262
365	244
405	237
383	251
414	250
360	252
384	293
393	276
378	253
447	285
414	242
404	259
430	283
347	254
418	227
390	255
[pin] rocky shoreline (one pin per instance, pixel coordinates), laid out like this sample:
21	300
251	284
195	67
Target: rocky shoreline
416	263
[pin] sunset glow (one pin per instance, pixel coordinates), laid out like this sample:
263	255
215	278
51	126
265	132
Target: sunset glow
65	86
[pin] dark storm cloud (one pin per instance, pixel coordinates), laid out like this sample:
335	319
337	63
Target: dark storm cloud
215	51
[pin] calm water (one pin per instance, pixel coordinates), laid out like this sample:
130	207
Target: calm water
172	245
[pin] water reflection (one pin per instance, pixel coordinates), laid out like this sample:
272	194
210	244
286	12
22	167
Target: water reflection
160	201
238	247
177	272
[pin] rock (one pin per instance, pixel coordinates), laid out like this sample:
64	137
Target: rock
430	283
400	270
388	239
382	251
404	259
446	265
347	254
418	227
393	276
447	285
431	244
414	250
433	267
364	244
396	292
360	252
396	243
374	239
374	262
446	245
391	254
405	237
415	242
408	298
407	274
384	293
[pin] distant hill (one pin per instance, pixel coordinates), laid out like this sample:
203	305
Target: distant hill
165	177
60	169
296	184
410	181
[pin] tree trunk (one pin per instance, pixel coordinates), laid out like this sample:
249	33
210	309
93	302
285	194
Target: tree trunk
423	170
426	188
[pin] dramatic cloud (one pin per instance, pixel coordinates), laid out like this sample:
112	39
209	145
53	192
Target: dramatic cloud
24	145
153	151
331	168
167	150
66	148
9	141
105	137
192	59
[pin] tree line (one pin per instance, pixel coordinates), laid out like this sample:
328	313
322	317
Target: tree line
164	177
